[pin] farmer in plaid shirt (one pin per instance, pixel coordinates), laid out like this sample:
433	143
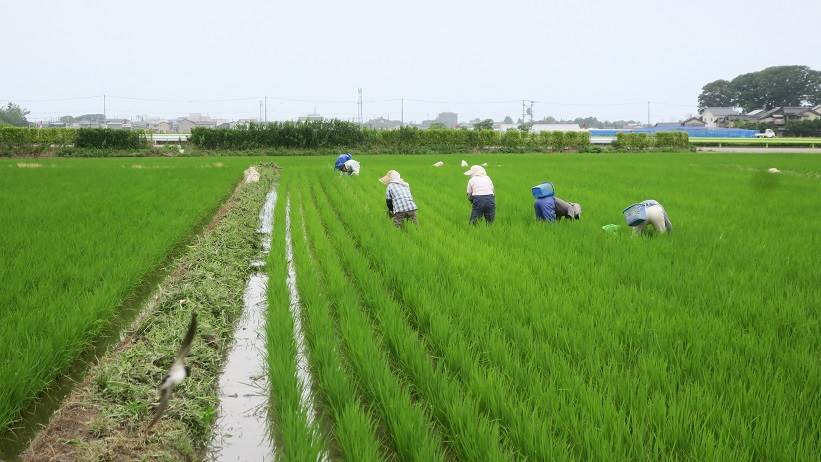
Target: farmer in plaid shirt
398	198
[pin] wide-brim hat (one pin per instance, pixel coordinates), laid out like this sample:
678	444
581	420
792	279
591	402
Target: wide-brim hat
476	170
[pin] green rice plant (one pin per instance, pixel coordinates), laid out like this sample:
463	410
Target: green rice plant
296	435
525	425
407	427
352	428
698	345
77	238
455	411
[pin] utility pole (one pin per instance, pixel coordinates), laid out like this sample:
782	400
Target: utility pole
359	112
104	113
527	110
648	113
402	121
260	110
531	112
266	109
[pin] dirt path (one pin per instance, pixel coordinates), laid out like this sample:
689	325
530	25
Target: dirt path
103	418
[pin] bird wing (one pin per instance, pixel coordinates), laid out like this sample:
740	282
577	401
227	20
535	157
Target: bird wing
189	338
165	396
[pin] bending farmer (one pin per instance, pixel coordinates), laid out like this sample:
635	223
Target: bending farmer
398	198
346	164
480	193
638	216
551	208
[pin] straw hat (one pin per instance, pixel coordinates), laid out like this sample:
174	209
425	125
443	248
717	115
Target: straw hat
476	170
391	177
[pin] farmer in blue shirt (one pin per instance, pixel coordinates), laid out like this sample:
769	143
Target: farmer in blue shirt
545	208
346	164
551	208
340	161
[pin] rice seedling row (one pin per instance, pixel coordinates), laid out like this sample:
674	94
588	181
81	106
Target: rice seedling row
445	323
569	342
407	424
456	412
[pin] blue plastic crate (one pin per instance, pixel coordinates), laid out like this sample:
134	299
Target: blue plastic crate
542	190
635	215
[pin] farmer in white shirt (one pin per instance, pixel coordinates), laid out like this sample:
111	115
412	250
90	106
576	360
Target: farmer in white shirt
648	212
351	167
398	198
480	193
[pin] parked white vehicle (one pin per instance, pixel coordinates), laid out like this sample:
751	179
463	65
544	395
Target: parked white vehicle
768	133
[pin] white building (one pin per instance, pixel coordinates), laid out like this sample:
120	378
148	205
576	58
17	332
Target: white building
716	116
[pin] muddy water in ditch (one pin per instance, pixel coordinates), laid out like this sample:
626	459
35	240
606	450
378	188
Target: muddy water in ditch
241	431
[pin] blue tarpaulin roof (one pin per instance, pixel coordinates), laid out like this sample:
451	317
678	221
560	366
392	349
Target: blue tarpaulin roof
693	132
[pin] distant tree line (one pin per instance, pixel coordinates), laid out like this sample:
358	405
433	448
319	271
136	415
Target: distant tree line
584	122
772	87
13	115
589	122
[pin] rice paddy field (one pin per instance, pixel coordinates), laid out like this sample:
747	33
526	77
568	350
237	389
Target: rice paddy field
526	340
77	238
515	341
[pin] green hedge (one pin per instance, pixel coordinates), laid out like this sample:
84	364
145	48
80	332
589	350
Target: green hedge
296	135
672	140
23	136
646	141
108	138
346	135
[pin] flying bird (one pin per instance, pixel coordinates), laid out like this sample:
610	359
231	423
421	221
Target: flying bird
178	372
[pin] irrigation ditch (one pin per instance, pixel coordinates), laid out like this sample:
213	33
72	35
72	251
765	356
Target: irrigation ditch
241	431
98	410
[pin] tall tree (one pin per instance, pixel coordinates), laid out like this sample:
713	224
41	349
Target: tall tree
718	93
778	86
13	115
486	124
765	89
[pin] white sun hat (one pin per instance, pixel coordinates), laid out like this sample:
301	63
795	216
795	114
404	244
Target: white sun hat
476	170
391	177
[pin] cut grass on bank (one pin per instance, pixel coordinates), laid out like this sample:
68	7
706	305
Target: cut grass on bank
559	342
76	238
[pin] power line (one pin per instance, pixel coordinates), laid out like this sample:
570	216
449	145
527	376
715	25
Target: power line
48	100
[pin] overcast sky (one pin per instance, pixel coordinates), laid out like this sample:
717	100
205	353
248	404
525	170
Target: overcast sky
478	58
